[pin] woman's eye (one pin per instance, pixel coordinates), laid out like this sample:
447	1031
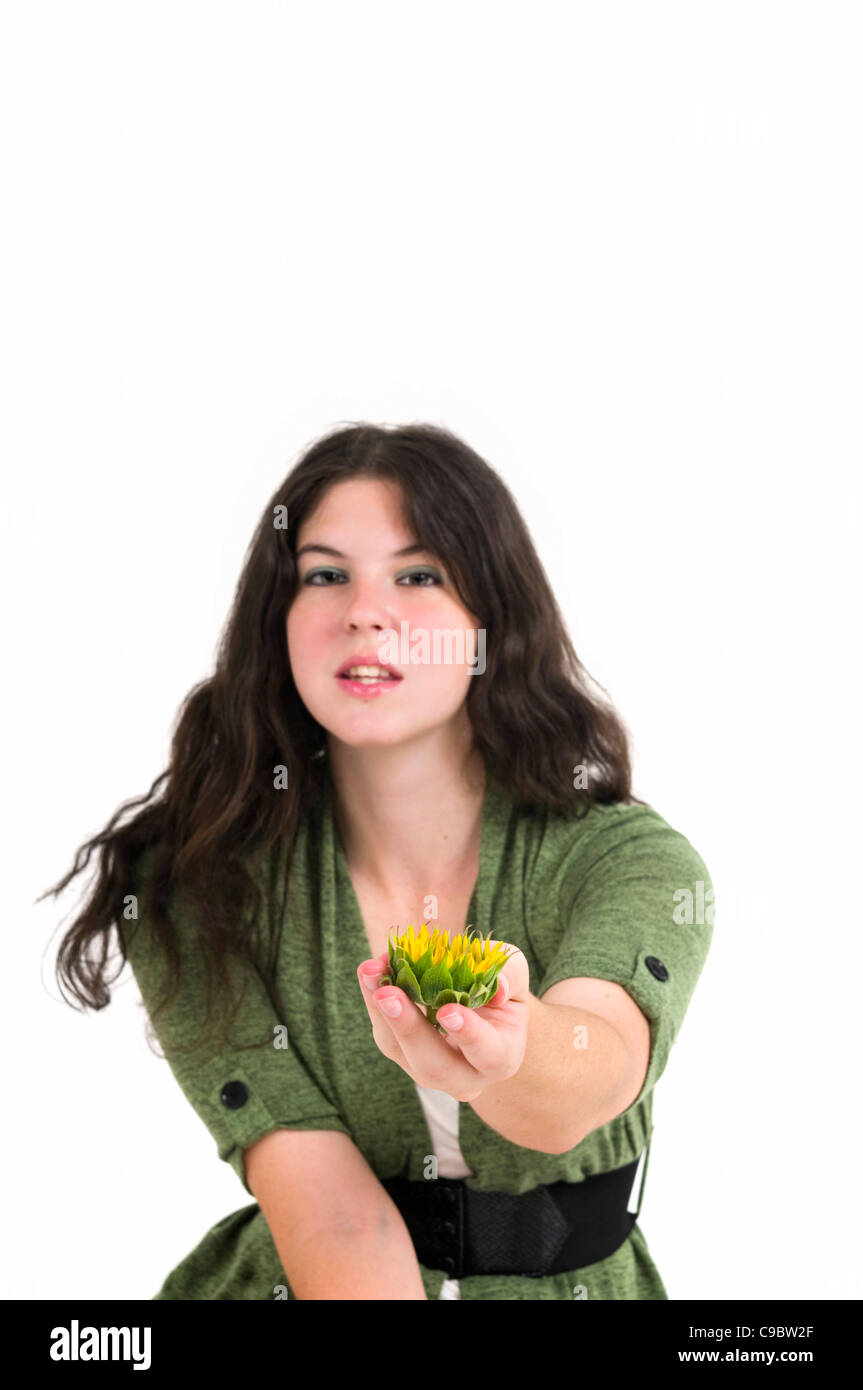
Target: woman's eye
418	574
415	574
316	574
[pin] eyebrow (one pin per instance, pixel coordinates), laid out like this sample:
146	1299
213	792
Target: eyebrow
329	550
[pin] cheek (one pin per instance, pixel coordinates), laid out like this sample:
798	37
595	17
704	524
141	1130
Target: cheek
446	675
447	687
307	650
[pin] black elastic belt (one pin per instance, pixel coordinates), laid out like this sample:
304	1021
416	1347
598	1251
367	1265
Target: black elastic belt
553	1229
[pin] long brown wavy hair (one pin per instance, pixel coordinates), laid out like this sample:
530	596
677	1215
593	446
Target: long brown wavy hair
219	833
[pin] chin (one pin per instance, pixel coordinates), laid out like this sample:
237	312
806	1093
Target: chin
361	733
356	738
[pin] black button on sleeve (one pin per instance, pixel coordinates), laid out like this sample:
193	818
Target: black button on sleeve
234	1094
656	967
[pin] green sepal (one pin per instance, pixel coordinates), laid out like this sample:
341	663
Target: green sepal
462	975
433	981
423	964
489	979
446	996
407	981
463	998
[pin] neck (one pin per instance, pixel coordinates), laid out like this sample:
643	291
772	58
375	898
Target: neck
408	819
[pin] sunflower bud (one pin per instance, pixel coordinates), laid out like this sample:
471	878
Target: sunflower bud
433	972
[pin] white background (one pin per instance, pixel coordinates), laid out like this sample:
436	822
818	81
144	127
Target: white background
615	247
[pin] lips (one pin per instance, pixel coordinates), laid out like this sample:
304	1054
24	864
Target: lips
367	659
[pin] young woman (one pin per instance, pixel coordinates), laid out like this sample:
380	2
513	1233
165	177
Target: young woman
313	807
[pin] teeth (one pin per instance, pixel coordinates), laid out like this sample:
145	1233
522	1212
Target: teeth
377	671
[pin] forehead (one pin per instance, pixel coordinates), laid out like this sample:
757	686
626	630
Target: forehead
356	505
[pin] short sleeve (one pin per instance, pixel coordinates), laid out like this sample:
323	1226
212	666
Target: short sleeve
240	1092
636	907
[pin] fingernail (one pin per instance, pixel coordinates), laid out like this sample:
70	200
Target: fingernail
452	1021
371	981
391	1006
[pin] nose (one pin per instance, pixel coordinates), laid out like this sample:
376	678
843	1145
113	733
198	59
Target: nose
368	606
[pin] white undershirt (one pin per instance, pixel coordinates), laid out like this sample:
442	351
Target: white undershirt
441	1112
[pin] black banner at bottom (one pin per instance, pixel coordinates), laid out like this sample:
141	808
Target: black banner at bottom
85	1337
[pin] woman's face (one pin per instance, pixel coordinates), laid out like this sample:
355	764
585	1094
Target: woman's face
348	603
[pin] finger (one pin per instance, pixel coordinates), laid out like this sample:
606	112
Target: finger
429	1058
515	973
488	1039
493	1037
369	975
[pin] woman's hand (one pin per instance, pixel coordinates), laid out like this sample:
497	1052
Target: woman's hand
487	1048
